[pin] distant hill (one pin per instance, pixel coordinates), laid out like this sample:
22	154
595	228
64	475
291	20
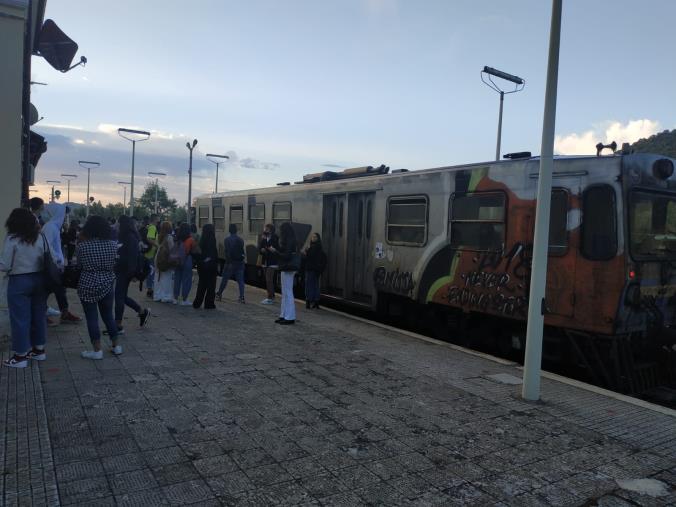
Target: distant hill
663	143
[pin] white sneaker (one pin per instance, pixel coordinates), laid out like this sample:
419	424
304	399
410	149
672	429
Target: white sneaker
16	362
174	301
51	312
186	303
268	301
116	350
171	301
91	354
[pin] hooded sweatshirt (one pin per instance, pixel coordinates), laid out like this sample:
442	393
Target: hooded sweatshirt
52	231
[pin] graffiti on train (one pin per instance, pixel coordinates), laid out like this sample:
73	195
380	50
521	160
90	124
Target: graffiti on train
499	283
393	280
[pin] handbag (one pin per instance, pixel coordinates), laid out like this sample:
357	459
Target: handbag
50	271
71	276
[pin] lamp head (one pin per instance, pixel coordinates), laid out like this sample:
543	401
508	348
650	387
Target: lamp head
194	143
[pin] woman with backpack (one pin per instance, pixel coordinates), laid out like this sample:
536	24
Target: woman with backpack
22	261
164	269
289	263
314	262
129	262
207	269
187	247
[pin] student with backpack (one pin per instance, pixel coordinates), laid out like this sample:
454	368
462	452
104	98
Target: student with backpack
127	268
164	267
184	249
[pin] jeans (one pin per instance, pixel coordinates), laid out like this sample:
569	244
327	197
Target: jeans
105	308
206	286
122	282
183	279
236	268
150	281
312	286
27	303
270	281
288	307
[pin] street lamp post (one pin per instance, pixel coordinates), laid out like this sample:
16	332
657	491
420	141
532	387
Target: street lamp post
210	157
519	84
127	134
124	200
157	186
88	165
53	182
190	147
68	177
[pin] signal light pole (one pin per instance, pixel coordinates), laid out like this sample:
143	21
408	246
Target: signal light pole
519	84
190	147
53	182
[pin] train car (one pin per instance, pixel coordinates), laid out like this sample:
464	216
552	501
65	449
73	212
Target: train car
453	245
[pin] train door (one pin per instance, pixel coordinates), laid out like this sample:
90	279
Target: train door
563	247
334	241
359	223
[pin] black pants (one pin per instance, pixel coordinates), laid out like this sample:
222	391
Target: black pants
122	282
206	287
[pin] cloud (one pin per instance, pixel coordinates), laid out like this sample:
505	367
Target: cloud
252	163
110	128
607	132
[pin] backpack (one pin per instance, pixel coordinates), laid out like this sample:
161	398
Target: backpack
177	254
162	260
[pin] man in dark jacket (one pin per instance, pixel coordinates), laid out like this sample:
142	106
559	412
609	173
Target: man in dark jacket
234	262
268	247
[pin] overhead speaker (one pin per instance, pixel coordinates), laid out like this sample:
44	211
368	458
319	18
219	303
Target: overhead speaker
56	47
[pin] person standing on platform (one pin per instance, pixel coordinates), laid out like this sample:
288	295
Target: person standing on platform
37	206
183	273
289	263
96	254
207	269
71	239
314	263
22	261
234	262
164	270
268	247
149	233
126	267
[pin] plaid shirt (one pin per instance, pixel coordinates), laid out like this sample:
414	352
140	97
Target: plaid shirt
96	258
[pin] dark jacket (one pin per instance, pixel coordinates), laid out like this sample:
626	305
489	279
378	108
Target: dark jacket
127	254
315	258
234	249
269	258
209	257
288	253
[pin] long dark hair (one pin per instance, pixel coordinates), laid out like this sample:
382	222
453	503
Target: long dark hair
127	227
208	239
96	227
287	237
183	232
22	225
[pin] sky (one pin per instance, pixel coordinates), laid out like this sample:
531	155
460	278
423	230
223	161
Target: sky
286	88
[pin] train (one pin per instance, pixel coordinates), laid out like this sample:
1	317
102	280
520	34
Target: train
450	247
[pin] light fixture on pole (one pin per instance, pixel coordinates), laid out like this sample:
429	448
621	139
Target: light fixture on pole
190	147
89	166
157	186
129	134
53	182
519	84
124	200
68	177
538	278
210	157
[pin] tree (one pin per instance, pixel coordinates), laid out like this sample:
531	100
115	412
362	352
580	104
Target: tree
145	204
663	143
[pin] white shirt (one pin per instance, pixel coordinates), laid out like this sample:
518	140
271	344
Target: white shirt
19	258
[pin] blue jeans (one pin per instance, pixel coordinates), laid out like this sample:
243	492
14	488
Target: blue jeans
121	298
105	308
183	279
27	303
236	268
312	286
150	281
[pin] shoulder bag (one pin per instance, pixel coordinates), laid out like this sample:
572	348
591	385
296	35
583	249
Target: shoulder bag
50	271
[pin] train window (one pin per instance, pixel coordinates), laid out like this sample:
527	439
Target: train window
256	218
478	221
599	229
203	215
368	219
407	220
652	225
558	223
281	212
237	216
219	218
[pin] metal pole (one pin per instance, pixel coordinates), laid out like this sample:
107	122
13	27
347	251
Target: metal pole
156	201
68	192
538	279
88	172
497	149
52	200
190	185
124	201
131	193
216	190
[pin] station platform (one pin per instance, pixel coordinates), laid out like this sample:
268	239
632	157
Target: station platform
224	407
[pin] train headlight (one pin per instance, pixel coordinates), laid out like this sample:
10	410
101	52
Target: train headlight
663	168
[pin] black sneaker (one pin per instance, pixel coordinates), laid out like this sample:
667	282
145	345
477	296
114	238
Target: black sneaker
144	318
149	293
287	322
